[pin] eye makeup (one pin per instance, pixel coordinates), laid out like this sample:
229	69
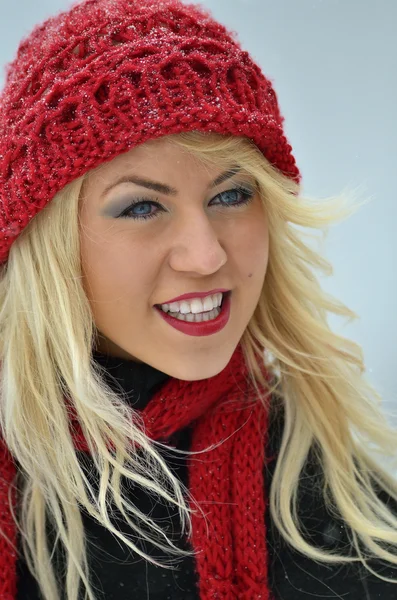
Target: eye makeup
245	198
114	208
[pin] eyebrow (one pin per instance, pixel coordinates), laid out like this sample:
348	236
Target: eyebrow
162	188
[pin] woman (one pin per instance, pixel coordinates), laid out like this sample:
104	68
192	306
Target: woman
153	445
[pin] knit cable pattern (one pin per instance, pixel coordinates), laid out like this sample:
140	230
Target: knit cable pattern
107	75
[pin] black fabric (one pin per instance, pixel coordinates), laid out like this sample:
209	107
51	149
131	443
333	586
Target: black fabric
119	574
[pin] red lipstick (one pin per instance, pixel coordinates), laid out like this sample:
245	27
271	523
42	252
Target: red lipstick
203	327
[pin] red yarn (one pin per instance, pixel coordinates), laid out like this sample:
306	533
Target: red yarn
8	533
227	482
107	75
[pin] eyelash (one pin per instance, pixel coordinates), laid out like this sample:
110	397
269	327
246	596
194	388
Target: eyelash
246	193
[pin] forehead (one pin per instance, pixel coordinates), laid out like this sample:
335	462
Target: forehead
159	158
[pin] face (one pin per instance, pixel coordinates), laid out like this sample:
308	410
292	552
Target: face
198	237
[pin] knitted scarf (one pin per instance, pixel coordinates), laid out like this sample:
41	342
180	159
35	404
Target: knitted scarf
227	481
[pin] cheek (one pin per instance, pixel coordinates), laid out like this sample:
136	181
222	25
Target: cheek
252	249
114	271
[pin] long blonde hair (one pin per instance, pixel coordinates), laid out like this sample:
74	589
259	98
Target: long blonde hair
47	335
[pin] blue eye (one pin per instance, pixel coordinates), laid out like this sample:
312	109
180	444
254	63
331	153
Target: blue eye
143	205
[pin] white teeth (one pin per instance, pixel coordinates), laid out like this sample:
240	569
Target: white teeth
194	306
198	318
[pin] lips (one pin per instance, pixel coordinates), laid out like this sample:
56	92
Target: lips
202	328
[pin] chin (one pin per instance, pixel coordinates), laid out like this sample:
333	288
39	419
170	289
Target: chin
197	370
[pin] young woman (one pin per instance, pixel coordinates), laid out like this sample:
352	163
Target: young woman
178	420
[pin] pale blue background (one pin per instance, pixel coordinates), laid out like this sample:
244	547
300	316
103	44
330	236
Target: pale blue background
334	65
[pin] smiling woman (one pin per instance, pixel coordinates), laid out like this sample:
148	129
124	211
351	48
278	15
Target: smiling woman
171	390
202	236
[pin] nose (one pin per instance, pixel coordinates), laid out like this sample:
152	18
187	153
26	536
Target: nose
197	246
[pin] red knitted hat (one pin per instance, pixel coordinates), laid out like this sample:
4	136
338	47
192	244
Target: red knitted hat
107	75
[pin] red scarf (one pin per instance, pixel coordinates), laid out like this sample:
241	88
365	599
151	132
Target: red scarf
227	482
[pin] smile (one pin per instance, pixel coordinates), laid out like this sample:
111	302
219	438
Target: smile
199	324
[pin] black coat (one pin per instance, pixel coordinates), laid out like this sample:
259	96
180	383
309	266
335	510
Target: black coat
118	574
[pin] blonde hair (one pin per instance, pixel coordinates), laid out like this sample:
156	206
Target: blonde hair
47	335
